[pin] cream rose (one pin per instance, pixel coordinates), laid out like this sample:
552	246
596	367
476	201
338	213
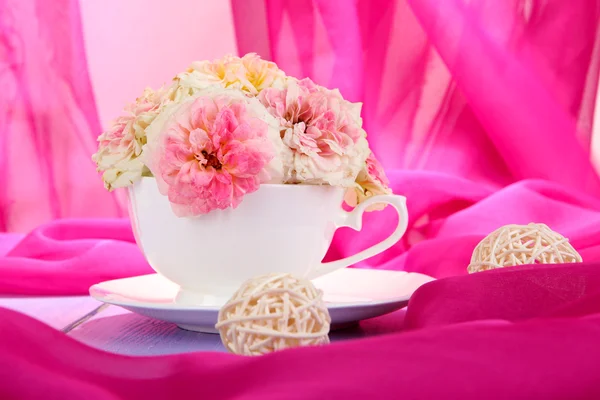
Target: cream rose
249	74
371	181
120	147
323	131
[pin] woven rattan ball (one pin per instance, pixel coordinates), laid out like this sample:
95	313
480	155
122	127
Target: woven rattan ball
522	244
273	312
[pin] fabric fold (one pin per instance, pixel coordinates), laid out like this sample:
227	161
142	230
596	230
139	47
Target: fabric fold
547	358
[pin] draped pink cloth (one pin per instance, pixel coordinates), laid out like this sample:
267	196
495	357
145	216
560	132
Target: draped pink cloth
481	112
48	119
554	357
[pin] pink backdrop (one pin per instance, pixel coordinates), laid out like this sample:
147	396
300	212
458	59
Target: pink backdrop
165	37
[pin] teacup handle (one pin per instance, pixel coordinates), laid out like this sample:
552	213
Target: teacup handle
353	219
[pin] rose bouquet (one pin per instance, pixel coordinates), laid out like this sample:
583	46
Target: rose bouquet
223	128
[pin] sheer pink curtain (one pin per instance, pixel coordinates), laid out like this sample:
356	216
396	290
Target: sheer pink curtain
48	119
481	111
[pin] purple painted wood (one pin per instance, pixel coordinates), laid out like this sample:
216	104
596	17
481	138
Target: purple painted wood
119	331
58	312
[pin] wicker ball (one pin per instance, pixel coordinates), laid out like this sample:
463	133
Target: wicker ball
522	244
273	312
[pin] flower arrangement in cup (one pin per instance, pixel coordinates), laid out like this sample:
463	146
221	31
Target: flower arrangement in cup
224	127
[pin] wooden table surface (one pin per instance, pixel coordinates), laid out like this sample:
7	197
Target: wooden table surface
114	329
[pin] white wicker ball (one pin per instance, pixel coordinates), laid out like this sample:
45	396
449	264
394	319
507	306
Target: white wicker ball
522	244
273	312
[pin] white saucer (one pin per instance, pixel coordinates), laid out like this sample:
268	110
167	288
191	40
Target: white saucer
351	295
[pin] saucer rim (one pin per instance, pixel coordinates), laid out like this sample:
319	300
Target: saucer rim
98	294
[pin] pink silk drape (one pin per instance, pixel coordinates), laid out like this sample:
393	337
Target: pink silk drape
48	118
523	347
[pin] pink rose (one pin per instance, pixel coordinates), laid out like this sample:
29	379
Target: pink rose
323	130
210	152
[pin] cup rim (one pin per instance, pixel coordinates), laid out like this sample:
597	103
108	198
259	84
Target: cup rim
286	186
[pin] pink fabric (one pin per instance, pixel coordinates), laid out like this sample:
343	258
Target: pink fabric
48	119
551	358
481	113
520	294
68	256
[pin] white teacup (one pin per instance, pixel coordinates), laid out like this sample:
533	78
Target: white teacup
279	228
